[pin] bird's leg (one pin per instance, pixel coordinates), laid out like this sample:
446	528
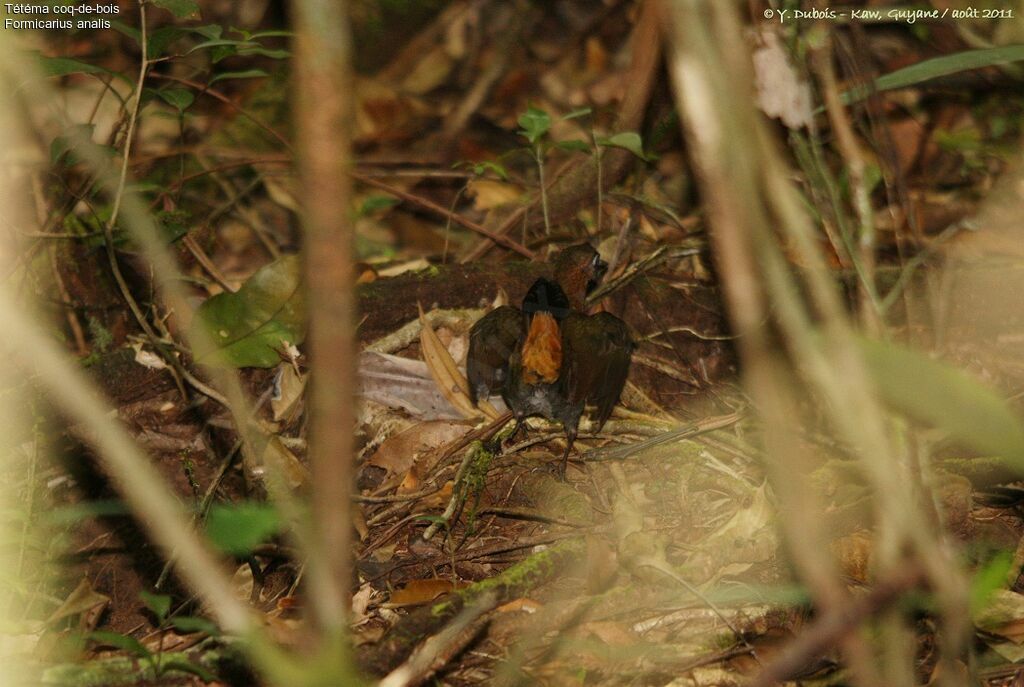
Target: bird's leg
520	421
570	438
495	444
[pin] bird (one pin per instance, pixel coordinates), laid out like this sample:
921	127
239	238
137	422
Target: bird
550	358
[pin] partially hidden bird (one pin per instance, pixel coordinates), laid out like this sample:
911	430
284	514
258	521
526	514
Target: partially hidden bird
550	358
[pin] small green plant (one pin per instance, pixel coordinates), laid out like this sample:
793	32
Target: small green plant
536	124
160	606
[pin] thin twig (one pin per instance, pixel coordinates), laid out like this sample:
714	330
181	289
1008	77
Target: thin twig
497	237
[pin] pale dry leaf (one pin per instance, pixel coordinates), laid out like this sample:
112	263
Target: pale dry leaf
450	380
781	93
360	602
402	383
148	358
285	463
488	194
431	70
398	453
289	386
282	191
1003	615
82	599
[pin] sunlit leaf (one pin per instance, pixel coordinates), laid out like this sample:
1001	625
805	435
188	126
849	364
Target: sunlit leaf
535	124
249	327
988	579
238	529
627	140
942	396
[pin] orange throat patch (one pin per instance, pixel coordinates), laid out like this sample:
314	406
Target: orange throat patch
542	350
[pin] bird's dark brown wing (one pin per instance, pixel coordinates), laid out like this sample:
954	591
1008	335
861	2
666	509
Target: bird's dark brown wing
598	349
492	340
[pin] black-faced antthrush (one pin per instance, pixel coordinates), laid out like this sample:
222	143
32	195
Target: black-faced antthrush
550	358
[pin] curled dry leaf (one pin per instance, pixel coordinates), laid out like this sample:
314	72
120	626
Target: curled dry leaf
398	453
360	602
522	604
397	382
450	380
273	451
289	384
148	358
82	600
419	592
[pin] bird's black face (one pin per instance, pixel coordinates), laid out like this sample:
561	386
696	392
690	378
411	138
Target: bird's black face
546	296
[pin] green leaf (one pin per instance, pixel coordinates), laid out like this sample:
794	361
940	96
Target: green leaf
249	327
189	623
535	124
73	514
181	9
238	529
942	396
988	579
575	145
126	30
940	66
481	168
173	224
66	141
209	32
575	114
62	66
245	74
185	666
120	641
627	140
178	98
158	604
219	42
269	34
272	53
161	38
374	203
